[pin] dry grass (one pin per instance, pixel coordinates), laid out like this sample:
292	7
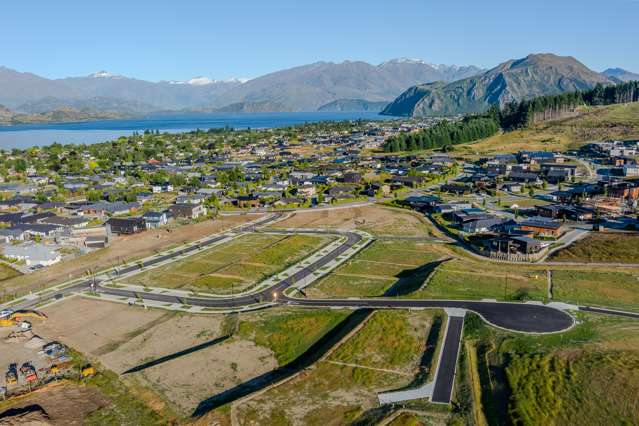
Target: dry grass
602	248
613	289
379	266
391	340
595	123
123	248
375	219
234	266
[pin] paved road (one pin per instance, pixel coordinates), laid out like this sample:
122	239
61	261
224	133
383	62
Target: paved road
530	318
445	379
609	312
512	316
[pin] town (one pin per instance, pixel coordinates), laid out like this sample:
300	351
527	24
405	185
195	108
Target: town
60	201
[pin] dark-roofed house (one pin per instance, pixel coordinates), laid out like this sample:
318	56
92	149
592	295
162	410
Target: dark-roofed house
410	181
546	228
456	189
481	224
128	225
524	245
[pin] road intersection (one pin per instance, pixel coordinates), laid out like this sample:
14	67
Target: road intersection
288	290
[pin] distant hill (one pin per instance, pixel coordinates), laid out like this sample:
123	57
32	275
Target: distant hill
104	104
248	107
514	80
621	74
353	105
26	92
310	87
303	88
58	115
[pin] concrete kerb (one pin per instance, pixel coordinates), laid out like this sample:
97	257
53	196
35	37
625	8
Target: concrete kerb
66	284
426	390
200	310
267	283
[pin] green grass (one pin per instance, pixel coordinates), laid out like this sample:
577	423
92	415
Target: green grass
585	389
288	333
7	272
387	329
378	267
596	123
234	266
337	394
614	289
602	248
588	375
466	280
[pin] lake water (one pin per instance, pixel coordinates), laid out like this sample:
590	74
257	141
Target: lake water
24	136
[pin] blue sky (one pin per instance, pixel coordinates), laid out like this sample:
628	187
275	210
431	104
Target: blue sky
177	40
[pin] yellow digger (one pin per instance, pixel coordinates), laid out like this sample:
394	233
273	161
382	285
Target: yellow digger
9	319
11	377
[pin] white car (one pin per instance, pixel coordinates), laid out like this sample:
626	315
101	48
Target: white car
5	313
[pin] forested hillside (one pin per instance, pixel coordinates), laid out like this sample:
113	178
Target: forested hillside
515	115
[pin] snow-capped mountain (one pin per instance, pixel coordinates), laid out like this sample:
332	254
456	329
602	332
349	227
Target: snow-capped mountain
105	74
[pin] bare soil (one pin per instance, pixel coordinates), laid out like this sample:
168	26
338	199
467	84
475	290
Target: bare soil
123	248
378	220
60	403
121	337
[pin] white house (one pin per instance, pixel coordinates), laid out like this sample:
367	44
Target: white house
33	254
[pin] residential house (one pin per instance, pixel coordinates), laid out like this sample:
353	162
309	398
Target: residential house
516	244
190	211
33	254
542	227
306	191
129	225
155	219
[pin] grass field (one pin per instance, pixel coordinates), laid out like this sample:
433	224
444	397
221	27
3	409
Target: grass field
595	123
289	333
589	375
378	267
602	248
383	354
459	279
7	272
233	266
560	389
614	289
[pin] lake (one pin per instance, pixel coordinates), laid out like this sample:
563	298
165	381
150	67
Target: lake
27	135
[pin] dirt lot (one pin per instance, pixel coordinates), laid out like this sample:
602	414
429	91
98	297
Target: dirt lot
126	247
377	220
60	403
121	337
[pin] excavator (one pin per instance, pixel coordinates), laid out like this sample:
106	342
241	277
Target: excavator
11	378
9	319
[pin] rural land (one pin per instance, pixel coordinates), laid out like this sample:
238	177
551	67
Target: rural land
468	262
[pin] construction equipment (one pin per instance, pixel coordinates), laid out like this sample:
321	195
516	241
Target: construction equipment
16	318
87	371
11	378
29	373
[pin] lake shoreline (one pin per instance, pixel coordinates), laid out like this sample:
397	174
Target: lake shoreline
23	136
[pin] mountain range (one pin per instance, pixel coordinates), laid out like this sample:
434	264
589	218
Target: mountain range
304	88
405	87
621	74
513	80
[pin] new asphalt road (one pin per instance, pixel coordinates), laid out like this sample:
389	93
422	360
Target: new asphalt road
512	316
